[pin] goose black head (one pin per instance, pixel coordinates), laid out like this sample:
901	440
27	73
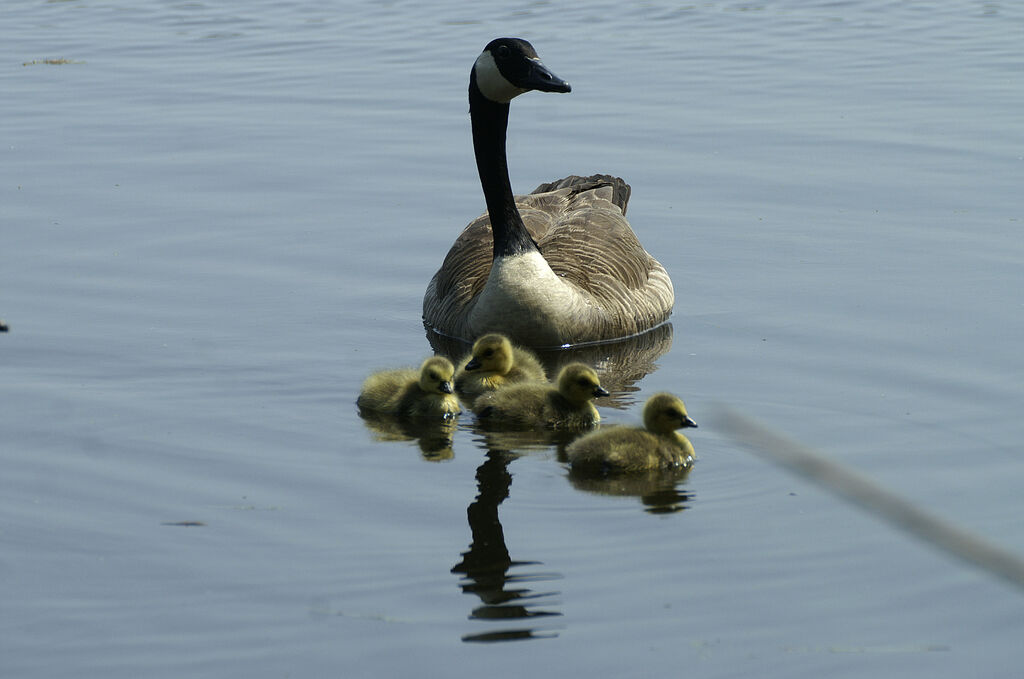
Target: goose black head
509	67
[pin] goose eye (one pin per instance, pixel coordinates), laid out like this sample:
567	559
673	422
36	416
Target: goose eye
502	51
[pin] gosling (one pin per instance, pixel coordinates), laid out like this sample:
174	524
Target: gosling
424	393
632	449
533	406
495	363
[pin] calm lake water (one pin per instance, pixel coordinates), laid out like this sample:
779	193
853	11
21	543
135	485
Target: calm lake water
216	219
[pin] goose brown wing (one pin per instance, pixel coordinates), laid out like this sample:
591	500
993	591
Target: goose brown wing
463	273
596	250
590	242
592	246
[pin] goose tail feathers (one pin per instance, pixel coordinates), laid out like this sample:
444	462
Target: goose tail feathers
620	189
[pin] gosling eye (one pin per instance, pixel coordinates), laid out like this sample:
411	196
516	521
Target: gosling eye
584	382
489	353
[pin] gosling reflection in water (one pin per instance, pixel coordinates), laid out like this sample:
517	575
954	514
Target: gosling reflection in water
657	489
487	564
435	437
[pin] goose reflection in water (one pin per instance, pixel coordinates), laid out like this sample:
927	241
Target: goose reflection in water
489	571
620	364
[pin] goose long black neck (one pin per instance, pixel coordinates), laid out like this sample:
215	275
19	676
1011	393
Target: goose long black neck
490	123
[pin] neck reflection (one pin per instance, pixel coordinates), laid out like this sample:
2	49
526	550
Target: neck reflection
489	570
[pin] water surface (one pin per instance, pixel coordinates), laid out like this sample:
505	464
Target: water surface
217	220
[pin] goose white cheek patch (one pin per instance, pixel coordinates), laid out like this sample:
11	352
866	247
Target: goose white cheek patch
492	83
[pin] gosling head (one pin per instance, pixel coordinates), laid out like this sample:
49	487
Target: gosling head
491	353
509	67
664	413
436	375
578	383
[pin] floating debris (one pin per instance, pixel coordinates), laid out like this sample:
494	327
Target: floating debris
51	62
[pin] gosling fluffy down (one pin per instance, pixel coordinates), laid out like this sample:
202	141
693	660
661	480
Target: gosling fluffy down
426	392
532	406
494	363
628	449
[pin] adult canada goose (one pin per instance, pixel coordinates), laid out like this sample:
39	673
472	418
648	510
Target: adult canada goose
529	405
560	267
426	392
496	363
626	449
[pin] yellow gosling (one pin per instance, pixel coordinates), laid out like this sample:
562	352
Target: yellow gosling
495	363
632	449
532	406
426	392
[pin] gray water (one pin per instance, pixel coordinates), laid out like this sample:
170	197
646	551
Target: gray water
217	219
